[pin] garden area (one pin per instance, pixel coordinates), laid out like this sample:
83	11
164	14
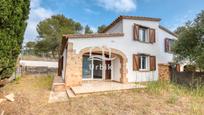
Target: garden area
32	93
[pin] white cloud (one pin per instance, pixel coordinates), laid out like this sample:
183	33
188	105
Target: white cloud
118	5
37	14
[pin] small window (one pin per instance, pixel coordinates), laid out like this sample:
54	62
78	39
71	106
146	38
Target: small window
169	45
144	63
143	34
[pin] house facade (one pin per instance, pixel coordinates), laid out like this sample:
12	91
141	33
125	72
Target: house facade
131	49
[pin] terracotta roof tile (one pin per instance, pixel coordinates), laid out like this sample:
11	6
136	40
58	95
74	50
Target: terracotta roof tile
131	18
98	35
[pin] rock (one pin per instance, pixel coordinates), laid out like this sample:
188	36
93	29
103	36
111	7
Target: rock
2	112
1	100
10	97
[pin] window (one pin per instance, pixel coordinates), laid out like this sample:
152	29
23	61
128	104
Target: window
169	45
143	34
144	63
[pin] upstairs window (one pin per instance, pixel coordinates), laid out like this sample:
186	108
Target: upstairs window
144	34
168	45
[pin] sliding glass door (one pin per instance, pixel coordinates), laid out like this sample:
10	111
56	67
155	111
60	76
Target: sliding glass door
86	68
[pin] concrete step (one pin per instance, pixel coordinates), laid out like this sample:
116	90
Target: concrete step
70	93
58	87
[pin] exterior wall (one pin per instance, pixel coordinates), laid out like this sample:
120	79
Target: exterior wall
64	63
164	72
118	28
128	46
116	69
73	67
74	64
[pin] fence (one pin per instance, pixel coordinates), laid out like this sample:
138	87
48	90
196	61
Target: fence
38	70
188	78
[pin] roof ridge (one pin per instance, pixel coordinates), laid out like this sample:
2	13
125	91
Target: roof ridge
121	17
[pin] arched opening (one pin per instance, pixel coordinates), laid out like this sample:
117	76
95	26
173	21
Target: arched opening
104	64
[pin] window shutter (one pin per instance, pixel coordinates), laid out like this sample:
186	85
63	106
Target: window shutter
152	63
152	35
136	32
166	45
178	67
136	62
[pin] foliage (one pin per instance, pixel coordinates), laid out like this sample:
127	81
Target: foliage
30	44
164	87
101	28
88	30
13	16
189	68
190	44
51	30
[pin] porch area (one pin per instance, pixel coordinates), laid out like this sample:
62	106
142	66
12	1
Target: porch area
99	86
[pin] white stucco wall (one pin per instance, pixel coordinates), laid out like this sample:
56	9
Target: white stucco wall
116	69
116	28
64	63
128	46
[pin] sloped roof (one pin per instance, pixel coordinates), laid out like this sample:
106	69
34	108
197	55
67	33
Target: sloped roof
98	35
131	18
167	30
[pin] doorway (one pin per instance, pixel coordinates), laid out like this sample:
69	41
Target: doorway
108	70
97	70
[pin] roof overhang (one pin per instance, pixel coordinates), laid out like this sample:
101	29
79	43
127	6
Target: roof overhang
130	18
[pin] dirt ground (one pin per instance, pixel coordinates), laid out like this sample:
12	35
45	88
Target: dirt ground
32	93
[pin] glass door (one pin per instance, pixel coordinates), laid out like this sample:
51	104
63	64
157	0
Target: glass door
86	68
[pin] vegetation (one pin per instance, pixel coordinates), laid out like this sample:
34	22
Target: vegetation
50	33
101	28
33	99
190	44
162	87
88	30
13	16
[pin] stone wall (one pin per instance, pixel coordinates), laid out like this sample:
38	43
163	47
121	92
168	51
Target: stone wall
164	71
73	69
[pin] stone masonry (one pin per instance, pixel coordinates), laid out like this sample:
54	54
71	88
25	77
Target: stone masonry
73	69
164	72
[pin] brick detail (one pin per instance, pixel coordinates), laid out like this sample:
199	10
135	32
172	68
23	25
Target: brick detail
164	72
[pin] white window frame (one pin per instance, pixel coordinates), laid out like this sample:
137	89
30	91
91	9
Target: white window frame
142	29
147	63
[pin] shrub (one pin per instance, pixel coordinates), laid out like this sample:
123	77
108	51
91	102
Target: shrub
13	16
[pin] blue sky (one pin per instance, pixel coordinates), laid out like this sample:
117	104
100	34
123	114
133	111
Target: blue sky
97	12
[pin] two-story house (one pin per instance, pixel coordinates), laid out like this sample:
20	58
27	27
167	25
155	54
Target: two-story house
131	49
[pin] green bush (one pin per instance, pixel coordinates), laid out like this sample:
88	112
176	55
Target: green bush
13	16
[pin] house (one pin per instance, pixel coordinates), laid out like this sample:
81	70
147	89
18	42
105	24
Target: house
130	49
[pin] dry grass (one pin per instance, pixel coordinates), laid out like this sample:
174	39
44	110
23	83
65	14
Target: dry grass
32	96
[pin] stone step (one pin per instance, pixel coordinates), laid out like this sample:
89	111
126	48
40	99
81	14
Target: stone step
58	87
70	93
